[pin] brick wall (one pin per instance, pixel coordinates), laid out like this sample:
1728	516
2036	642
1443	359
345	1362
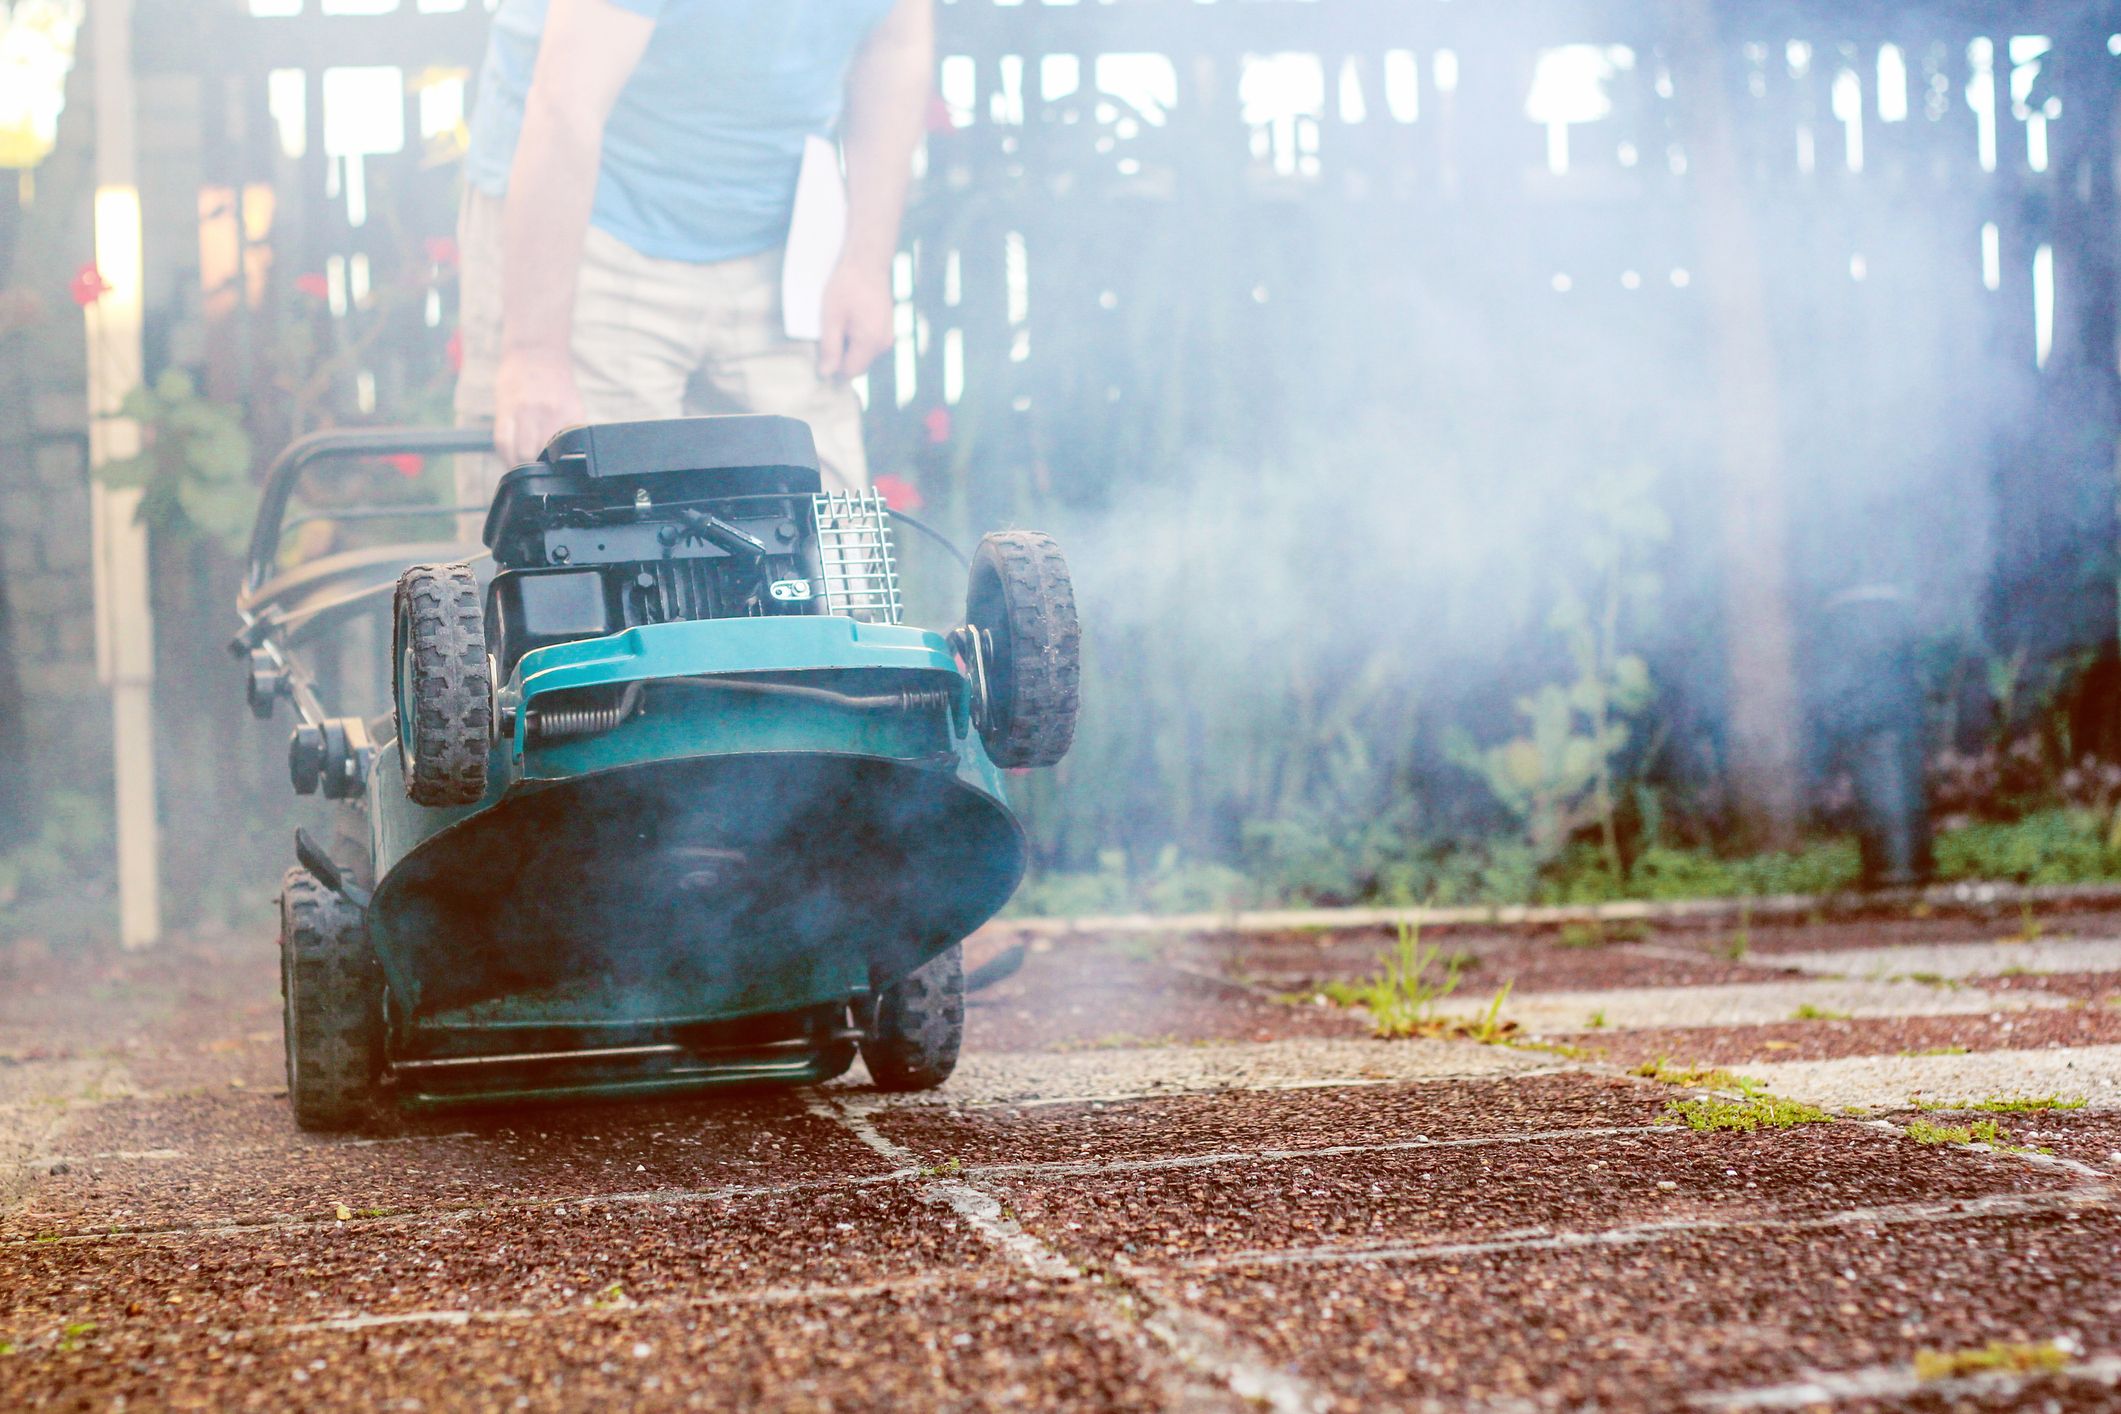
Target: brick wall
44	498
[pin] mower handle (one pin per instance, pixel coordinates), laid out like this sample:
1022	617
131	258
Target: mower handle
287	469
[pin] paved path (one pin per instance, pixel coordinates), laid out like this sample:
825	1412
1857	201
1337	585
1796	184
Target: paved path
1162	1179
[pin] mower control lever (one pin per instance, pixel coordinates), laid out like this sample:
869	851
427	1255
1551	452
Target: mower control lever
714	529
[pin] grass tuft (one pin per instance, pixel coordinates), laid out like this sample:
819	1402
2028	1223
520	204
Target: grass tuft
2017	1358
1694	1077
1981	1131
1744	1116
1402	997
2026	1104
1808	1012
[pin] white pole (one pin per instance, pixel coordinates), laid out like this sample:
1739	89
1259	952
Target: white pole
125	636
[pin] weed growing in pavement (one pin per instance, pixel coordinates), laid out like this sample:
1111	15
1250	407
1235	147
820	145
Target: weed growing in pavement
1940	1051
1928	979
1981	1131
1489	1028
1808	1012
1116	1041
1755	1111
948	1168
611	1296
1694	1077
1138	947
1557	1048
1598	1020
1597	932
1402	997
2023	1104
2018	1358
71	1336
2029	928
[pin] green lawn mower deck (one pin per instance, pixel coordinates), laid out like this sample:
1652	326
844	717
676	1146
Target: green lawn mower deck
668	799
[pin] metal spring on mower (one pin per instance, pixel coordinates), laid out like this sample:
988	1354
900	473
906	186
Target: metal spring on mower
585	721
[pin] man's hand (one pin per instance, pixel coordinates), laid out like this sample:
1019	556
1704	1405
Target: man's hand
856	323
534	397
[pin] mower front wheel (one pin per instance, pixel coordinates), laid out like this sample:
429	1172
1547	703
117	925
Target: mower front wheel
331	1005
1026	647
444	684
914	1027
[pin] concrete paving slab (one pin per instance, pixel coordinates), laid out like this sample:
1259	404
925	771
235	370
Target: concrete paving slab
1455	1194
981	1343
1530	963
1969	959
532	1156
1130	1073
1090	996
1746	1046
1653	1326
2091	1073
1172	1192
1748	1004
1221	1123
566	1256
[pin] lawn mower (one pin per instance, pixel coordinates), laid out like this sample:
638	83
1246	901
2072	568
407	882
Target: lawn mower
666	797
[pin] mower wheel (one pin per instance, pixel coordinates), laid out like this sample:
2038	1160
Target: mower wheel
331	1004
1021	606
915	1026
444	684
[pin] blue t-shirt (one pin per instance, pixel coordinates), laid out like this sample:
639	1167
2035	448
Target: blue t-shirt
702	148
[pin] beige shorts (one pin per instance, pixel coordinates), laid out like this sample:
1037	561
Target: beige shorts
656	338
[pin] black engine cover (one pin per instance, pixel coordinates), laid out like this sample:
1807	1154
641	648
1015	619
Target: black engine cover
622	524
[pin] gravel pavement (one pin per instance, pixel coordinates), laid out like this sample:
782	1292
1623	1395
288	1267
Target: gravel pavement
1167	1176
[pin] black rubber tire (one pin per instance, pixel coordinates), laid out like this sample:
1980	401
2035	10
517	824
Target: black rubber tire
1022	599
438	653
331	1005
915	1025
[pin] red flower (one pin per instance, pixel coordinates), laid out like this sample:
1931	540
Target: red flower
454	351
442	251
939	119
937	423
898	493
313	285
88	285
407	464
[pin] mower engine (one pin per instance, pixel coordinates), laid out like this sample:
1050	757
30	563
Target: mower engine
630	524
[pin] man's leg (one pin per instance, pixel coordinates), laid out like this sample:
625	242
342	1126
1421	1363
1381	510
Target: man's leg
638	331
479	334
750	364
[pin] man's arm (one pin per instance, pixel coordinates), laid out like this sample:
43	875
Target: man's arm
887	105
589	50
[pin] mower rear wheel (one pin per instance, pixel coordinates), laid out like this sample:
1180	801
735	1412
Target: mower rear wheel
444	684
331	1005
915	1026
1021	604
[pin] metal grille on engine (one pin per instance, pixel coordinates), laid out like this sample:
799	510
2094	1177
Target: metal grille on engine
854	553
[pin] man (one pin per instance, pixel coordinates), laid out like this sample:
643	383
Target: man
631	175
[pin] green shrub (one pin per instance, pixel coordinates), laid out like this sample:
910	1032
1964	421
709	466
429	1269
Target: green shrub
2050	847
